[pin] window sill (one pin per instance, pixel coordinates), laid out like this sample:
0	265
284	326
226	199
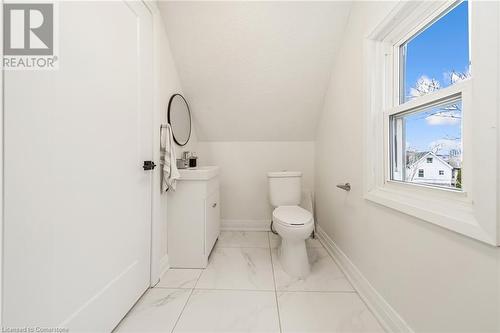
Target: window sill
449	209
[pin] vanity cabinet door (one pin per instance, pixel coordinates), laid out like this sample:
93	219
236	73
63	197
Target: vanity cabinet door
212	220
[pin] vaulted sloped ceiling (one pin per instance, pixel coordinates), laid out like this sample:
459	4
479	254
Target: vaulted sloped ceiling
255	71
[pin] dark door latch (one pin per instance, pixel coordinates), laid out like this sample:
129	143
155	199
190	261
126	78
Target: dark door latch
148	165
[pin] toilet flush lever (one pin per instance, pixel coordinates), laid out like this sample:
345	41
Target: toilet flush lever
345	187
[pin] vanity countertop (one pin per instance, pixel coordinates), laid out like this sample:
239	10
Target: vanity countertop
199	173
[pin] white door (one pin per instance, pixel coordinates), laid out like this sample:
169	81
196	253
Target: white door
77	201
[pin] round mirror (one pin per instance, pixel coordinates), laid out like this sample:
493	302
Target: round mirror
179	118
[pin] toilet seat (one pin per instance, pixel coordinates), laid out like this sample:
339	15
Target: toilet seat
292	216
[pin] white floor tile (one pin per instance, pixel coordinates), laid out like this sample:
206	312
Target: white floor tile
238	268
313	242
229	311
275	241
325	312
243	239
179	278
325	274
156	311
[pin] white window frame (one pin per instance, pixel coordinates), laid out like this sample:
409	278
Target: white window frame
472	211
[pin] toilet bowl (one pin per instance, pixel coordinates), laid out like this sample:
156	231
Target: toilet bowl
293	223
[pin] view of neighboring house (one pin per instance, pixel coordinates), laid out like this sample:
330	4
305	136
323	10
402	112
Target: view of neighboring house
429	168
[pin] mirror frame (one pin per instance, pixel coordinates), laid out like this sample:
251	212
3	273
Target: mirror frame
190	119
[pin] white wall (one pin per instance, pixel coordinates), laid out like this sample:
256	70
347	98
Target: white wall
168	84
437	280
243	62
255	74
243	175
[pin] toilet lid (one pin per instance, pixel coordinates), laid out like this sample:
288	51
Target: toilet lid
292	215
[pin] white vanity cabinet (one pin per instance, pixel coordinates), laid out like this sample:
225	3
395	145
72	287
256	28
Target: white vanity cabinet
193	218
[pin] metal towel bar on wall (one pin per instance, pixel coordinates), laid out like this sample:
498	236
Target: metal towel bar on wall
345	187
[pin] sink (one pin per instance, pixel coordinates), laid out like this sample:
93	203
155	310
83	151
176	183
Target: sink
199	173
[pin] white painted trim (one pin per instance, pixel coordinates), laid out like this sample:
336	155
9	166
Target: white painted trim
383	311
432	99
155	260
245	225
164	265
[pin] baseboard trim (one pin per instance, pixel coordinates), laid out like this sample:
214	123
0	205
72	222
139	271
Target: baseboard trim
245	225
164	265
387	316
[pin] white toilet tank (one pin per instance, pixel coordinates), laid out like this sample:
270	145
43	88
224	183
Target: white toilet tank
285	188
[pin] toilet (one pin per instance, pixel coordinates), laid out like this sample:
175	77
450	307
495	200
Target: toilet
293	223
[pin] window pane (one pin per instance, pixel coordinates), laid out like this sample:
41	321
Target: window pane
426	145
437	57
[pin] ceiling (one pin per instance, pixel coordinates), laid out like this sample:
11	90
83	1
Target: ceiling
255	71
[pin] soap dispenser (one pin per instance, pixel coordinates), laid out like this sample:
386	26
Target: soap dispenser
193	161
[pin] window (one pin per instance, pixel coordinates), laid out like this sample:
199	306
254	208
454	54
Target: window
432	80
437	56
434	129
434	58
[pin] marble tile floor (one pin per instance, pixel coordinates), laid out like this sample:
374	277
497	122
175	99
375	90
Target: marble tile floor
244	289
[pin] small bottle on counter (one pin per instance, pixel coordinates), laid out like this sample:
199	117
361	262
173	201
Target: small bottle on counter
193	160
